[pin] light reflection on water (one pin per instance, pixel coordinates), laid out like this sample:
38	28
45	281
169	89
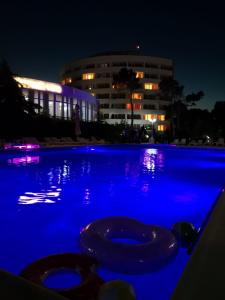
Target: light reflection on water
49	196
56	177
87	196
24	160
153	161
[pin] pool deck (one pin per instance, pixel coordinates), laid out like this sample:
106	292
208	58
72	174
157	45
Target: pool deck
203	278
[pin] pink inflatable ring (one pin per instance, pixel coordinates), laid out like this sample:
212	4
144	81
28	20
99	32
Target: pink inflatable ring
157	245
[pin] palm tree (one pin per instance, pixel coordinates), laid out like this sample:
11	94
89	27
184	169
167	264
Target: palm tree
127	80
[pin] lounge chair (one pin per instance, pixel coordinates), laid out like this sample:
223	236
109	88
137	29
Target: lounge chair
193	143
101	141
175	141
183	142
220	142
30	140
200	142
82	140
67	141
51	142
95	141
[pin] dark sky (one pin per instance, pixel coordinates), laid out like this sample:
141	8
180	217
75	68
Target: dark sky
38	37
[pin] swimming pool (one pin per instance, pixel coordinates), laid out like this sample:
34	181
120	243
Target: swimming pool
48	196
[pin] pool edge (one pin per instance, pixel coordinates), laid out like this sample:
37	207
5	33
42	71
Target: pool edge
203	277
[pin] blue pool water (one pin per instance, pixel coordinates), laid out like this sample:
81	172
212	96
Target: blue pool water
47	197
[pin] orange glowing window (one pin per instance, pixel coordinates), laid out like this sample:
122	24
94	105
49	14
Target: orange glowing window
139	74
150	117
161	127
161	117
137	96
137	106
151	86
88	76
68	80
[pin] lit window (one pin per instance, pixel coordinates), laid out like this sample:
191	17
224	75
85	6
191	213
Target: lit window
25	94
58	98
58	109
83	110
161	127
68	80
51	108
137	106
161	117
150	117
139	74
65	107
50	96
151	86
137	96
88	76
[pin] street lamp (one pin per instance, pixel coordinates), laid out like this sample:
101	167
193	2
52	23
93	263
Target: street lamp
152	137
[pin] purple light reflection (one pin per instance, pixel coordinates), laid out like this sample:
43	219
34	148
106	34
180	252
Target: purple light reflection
10	146
25	160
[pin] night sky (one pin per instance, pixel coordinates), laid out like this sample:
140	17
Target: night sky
39	37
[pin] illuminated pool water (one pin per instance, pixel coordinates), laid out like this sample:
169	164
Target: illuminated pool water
47	197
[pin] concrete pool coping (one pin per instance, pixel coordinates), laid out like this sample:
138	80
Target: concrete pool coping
15	287
203	277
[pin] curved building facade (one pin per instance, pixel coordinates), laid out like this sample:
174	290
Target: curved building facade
58	101
95	75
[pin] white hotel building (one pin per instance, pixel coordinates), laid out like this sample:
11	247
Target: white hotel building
58	101
95	75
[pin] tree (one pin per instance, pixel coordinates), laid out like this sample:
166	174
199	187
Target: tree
12	102
199	123
127	80
191	99
218	113
171	90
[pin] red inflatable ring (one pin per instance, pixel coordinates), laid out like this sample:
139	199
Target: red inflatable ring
157	245
91	282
